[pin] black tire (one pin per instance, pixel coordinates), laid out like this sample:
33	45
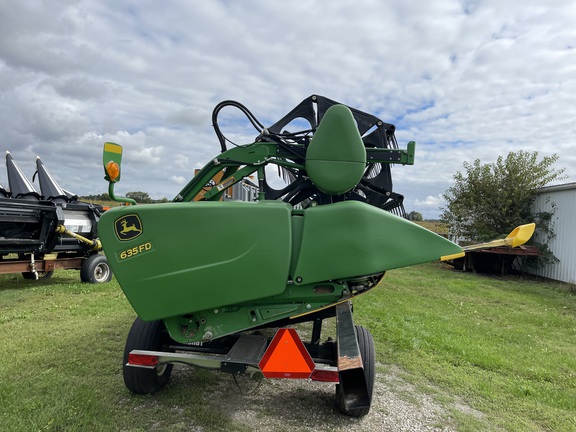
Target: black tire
41	275
366	346
151	336
95	269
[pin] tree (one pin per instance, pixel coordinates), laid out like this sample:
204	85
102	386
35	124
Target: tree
139	197
98	197
489	200
415	216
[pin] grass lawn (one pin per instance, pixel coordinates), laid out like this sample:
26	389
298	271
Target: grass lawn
504	346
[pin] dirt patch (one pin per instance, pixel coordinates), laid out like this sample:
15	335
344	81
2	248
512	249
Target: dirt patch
302	405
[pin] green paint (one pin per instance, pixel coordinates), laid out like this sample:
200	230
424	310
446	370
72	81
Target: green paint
336	156
185	269
352	238
210	268
240	259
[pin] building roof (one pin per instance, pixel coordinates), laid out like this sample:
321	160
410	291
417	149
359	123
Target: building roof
561	187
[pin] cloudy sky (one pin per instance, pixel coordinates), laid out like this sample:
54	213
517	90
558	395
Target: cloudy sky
464	79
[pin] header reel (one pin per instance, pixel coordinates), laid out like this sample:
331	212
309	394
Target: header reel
289	151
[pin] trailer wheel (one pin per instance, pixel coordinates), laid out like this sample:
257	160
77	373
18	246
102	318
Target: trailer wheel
95	269
366	346
151	336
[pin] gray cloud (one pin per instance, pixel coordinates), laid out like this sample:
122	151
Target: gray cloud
464	79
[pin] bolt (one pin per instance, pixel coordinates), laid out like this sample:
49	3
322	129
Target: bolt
215	311
208	335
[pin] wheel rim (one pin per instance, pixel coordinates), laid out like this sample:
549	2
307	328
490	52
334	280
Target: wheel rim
101	272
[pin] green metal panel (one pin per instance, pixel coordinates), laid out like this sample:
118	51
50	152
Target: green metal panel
352	238
336	156
176	258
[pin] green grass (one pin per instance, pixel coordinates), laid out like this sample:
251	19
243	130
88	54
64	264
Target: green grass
436	226
62	348
504	346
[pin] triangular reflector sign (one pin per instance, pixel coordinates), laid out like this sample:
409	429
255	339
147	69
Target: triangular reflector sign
286	357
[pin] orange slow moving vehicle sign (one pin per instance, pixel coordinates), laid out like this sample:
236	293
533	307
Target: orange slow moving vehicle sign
286	357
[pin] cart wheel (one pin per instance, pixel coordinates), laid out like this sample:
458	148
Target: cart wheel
41	275
366	346
150	336
95	269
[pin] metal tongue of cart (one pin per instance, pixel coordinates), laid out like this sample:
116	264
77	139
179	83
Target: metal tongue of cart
219	284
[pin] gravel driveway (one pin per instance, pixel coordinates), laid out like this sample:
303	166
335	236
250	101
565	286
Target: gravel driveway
301	405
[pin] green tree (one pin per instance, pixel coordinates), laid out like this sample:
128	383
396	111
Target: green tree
98	197
139	197
415	216
489	200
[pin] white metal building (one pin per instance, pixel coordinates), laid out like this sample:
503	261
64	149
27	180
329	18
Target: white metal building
243	191
563	246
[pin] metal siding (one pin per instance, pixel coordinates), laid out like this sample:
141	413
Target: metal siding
563	246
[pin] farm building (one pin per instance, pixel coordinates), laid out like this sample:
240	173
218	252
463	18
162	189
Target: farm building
561	200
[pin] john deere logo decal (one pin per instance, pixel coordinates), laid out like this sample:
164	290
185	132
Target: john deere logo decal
128	227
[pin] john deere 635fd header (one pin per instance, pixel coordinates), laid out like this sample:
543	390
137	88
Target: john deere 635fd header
204	274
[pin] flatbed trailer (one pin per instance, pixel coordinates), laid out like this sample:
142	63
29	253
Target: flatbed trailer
93	268
347	361
498	260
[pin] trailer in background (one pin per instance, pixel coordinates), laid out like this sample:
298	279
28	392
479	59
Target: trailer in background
48	230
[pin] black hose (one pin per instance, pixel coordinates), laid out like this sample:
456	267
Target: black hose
257	125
